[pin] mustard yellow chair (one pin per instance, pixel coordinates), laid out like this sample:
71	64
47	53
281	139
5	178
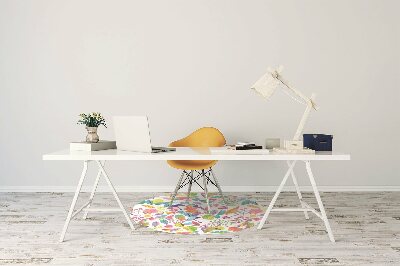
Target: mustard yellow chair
194	170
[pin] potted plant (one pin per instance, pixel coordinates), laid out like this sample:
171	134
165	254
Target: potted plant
92	121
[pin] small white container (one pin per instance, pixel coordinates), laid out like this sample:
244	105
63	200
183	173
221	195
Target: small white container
271	143
293	144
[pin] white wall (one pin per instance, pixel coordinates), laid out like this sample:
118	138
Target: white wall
188	64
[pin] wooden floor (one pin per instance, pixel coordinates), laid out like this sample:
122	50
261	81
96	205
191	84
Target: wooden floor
366	226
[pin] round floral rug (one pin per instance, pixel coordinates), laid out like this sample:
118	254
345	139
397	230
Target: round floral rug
191	216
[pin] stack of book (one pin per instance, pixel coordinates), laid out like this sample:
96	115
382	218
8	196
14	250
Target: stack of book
232	150
98	146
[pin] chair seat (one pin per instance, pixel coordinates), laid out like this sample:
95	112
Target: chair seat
191	164
203	137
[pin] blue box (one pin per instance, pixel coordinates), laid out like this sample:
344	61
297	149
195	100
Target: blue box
318	142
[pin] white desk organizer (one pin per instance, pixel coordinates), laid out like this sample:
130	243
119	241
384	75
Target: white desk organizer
293	147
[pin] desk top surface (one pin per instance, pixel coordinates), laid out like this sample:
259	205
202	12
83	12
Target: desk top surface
190	154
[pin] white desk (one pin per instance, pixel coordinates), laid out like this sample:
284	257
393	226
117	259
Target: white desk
100	157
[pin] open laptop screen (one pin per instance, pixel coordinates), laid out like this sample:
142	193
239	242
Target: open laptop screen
132	133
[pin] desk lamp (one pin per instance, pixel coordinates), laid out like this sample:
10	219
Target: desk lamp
266	86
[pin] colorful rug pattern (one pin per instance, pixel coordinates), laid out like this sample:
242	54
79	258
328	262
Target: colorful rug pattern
191	216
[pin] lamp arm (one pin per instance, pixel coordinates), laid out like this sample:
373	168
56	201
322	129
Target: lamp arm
309	102
297	92
310	105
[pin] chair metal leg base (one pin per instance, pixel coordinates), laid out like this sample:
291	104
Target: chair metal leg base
86	207
206	190
194	176
190	185
305	207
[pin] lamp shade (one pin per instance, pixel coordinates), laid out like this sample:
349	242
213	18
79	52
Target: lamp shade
267	84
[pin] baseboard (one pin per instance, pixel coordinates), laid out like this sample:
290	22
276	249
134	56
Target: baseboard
195	189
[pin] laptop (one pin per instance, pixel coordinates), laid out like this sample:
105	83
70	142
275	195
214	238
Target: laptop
132	133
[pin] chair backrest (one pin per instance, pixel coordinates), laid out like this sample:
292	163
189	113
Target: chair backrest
203	137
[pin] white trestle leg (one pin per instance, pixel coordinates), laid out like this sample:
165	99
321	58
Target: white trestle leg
96	182
176	189
71	209
305	207
320	205
298	191
115	195
218	186
86	207
271	205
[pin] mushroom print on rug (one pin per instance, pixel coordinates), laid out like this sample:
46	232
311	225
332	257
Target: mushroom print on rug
190	216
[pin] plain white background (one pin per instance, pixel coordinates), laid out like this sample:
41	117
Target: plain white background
188	64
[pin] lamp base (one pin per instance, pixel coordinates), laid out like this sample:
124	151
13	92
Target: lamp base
293	151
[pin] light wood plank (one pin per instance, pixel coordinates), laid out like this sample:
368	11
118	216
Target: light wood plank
366	226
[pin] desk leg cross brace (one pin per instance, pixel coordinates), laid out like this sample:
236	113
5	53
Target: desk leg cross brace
304	206
86	206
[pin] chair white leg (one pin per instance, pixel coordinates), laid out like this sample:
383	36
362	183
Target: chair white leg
176	189
96	182
115	195
218	186
190	184
71	209
298	191
271	205
205	189
320	205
